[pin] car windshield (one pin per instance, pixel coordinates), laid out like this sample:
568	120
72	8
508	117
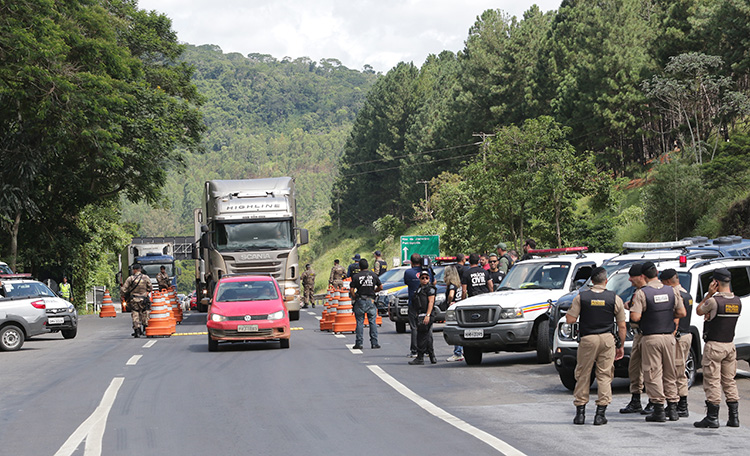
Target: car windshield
549	275
393	275
439	272
246	291
27	289
4	269
152	270
267	235
620	284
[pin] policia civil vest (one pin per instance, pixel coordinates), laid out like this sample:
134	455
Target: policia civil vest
658	318
684	324
597	312
721	327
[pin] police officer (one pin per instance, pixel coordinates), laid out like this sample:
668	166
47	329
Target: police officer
598	309
655	307
721	309
337	275
379	266
354	267
683	338
635	373
162	279
136	289
364	285
505	260
495	274
425	297
476	280
308	285
65	289
413	283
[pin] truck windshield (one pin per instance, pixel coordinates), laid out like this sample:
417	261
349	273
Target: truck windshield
237	237
152	269
537	275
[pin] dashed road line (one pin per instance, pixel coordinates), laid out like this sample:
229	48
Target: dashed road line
133	360
339	336
355	351
149	344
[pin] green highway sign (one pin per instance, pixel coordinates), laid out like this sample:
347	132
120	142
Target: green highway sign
424	245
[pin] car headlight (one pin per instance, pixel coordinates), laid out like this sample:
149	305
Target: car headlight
278	315
511	312
565	332
450	315
217	317
71	308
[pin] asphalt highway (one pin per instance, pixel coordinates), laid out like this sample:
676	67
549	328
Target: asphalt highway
106	393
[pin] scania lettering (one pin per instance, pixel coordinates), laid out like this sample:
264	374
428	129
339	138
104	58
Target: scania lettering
248	226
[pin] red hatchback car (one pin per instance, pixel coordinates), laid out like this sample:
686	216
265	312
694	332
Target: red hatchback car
247	308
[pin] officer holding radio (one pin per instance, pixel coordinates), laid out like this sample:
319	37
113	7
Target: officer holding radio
425	303
598	309
412	281
683	339
721	309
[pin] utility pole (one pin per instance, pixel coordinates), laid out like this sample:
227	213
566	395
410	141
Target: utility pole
426	201
485	143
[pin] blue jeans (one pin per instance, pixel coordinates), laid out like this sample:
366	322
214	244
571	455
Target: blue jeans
458	350
364	306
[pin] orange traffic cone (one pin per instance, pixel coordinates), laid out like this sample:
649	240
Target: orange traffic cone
108	309
324	314
176	308
345	321
158	319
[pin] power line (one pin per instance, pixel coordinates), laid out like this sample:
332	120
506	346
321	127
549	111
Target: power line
414	154
411	164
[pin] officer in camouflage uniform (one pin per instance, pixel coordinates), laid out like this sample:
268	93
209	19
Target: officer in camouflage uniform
136	289
162	279
337	275
308	284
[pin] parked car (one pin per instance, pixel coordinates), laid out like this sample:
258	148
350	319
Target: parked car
515	317
695	276
393	281
247	308
193	301
62	316
20	319
398	302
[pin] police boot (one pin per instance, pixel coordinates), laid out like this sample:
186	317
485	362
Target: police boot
599	418
580	414
712	417
682	407
734	414
433	359
672	411
419	360
136	332
658	415
634	406
304	307
649	409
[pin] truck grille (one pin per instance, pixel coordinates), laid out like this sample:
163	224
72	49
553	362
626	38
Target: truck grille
403	301
274	268
476	316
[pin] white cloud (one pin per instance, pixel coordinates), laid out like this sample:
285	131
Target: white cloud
357	32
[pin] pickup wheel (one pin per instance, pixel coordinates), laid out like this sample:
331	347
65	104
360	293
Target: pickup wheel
690	367
11	338
400	327
293	315
70	333
472	356
543	346
568	378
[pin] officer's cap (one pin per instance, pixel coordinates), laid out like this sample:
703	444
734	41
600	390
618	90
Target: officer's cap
667	274
424	274
377	253
722	275
647	265
636	270
356	257
501	245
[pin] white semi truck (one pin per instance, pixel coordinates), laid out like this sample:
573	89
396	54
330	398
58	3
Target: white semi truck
248	226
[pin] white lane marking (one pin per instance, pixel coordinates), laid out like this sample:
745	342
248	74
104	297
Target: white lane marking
149	344
339	336
92	430
437	412
133	360
318	317
356	352
310	313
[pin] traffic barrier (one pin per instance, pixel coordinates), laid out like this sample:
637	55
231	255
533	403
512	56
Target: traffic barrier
345	321
176	308
333	309
159	324
108	309
324	314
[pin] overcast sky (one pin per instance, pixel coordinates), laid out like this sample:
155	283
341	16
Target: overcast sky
380	33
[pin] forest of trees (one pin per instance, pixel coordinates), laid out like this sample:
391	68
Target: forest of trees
597	116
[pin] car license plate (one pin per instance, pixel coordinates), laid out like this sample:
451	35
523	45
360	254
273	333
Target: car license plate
473	333
247	328
55	321
404	311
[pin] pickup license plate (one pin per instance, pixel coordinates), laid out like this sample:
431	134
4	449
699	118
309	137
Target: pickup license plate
55	321
404	311
473	333
247	328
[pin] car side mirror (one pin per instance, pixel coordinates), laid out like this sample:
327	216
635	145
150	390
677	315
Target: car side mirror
578	284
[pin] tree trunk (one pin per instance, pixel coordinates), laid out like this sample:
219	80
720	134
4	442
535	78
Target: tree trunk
14	241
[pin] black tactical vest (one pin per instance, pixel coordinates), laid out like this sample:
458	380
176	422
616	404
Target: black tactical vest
597	312
658	318
721	328
684	323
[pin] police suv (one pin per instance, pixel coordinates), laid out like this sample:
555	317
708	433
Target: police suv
514	318
695	275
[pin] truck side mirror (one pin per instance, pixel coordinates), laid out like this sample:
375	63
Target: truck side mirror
304	236
196	253
118	278
204	240
204	228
